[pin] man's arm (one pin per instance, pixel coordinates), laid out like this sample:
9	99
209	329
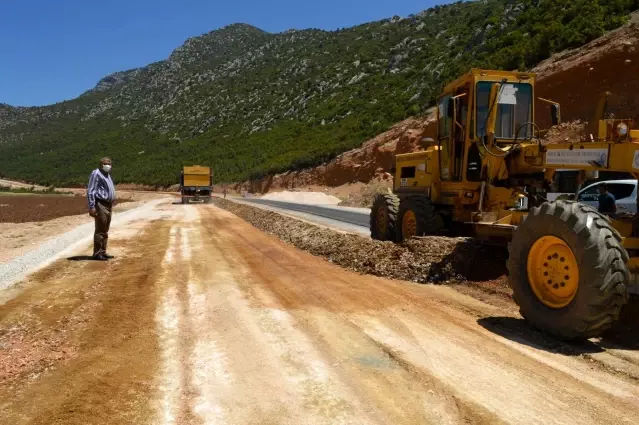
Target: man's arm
600	204
92	190
111	188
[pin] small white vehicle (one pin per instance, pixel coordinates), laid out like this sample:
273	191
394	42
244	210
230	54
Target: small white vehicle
624	191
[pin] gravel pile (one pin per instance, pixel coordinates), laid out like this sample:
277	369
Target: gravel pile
424	260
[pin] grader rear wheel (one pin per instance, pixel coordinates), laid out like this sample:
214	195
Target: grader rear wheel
383	217
417	217
568	270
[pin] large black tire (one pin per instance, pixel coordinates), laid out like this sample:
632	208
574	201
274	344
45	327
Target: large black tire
603	276
386	205
429	221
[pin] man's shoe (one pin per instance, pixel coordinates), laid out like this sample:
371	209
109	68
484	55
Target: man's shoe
108	256
100	257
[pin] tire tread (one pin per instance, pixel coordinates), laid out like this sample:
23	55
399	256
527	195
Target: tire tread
605	245
391	203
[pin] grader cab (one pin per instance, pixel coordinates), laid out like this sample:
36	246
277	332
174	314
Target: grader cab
571	268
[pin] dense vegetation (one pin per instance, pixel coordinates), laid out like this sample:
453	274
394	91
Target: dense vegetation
251	103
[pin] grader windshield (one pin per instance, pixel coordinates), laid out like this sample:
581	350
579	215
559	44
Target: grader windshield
514	109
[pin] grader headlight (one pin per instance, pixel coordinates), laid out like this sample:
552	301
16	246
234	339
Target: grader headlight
622	129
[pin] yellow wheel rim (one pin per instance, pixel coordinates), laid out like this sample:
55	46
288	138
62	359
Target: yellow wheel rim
409	225
553	272
382	221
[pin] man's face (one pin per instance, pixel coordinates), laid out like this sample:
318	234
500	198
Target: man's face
602	190
105	165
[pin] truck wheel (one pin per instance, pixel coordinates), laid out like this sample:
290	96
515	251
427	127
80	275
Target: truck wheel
383	217
417	217
568	271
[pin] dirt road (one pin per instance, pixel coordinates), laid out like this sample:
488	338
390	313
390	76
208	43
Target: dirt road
202	319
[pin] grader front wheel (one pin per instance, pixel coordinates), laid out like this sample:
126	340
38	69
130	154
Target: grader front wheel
553	271
383	217
568	270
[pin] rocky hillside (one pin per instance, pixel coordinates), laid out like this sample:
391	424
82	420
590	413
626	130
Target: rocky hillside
575	78
252	103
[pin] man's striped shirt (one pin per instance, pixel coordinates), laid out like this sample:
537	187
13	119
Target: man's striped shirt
100	188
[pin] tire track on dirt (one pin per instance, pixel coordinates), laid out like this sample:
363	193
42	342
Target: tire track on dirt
290	383
277	281
169	321
523	370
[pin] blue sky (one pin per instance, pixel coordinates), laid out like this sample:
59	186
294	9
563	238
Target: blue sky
53	50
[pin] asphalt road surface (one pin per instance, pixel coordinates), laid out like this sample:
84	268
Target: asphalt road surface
202	319
354	220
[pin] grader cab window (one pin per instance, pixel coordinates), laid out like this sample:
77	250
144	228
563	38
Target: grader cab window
452	115
514	105
444	118
461	100
408	173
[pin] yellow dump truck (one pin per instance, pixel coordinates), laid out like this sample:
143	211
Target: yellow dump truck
196	183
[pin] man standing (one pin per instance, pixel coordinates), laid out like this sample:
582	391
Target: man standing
607	202
101	194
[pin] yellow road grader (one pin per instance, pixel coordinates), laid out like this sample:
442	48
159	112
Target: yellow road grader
571	268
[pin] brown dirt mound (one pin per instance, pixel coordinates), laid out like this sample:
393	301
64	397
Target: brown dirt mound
572	131
30	208
422	260
363	194
362	164
577	78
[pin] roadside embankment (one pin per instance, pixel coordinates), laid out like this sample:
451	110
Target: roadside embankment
425	260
